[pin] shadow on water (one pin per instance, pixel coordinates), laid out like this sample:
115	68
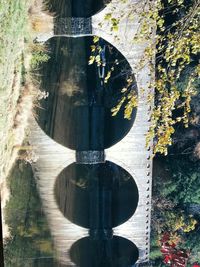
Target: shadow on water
75	8
98	197
77	113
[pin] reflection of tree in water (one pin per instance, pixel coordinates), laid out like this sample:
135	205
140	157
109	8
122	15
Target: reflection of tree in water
29	234
86	84
80	101
98	196
115	172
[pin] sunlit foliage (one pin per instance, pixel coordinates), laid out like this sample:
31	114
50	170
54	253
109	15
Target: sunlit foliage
178	45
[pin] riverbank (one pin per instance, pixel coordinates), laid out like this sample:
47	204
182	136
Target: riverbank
14	18
20	22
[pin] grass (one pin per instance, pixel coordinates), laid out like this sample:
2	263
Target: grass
13	31
20	22
13	16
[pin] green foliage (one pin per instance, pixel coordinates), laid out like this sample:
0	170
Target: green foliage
13	21
184	186
29	234
39	56
155	253
178	182
192	241
113	21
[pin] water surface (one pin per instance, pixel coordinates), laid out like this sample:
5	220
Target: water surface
77	113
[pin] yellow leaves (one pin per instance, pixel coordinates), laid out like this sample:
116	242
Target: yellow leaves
107	77
98	60
179	119
124	90
116	109
115	28
177	55
114	22
132	103
144	29
160	23
150	98
176	47
162	123
198	71
190	227
95	39
176	2
44	246
109	73
163	139
189	92
130	97
149	51
91	60
93	48
180	2
195	43
185	225
96	50
108	16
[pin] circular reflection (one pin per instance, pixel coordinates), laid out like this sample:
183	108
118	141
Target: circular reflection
116	252
75	8
100	196
77	113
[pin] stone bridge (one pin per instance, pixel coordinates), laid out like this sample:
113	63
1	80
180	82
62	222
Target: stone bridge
130	153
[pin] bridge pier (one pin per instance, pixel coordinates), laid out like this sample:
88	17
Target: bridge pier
73	26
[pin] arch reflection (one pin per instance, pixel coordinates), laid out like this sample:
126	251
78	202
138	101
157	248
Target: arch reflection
77	113
98	197
116	252
75	8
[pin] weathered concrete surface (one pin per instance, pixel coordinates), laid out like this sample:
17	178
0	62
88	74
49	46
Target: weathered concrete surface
130	153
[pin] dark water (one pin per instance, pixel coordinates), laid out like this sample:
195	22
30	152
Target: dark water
97	197
117	252
75	8
77	113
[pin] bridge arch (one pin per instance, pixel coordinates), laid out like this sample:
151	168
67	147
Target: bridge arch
77	113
